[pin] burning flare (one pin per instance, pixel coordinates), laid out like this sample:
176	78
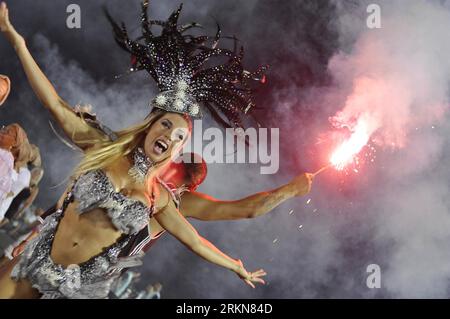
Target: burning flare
346	152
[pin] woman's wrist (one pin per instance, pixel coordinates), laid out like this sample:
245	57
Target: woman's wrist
14	38
18	42
237	266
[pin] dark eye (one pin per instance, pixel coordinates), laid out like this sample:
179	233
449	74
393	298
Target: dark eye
180	137
166	123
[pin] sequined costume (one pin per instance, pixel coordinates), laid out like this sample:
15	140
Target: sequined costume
93	278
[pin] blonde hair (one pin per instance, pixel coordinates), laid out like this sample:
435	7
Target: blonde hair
105	153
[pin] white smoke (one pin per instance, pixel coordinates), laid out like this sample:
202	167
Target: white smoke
399	76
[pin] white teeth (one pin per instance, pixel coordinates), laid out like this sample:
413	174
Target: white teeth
161	145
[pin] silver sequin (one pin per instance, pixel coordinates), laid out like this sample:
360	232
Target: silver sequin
93	278
94	189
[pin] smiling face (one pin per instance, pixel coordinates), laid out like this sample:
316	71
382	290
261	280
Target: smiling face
165	136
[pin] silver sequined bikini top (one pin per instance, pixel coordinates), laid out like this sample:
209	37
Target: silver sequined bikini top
94	189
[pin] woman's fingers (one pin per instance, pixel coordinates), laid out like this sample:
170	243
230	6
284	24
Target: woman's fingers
259	280
4	20
250	278
260	271
3	10
249	283
255	277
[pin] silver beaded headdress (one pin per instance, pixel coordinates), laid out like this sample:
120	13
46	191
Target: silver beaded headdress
177	62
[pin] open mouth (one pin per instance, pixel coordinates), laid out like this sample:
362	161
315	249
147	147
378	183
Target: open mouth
160	147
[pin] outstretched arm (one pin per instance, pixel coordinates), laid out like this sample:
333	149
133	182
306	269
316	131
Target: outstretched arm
172	221
205	207
74	127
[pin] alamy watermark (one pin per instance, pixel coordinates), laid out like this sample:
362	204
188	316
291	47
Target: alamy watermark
373	20
73	20
249	146
374	278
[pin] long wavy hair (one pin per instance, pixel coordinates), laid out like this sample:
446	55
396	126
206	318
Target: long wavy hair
107	152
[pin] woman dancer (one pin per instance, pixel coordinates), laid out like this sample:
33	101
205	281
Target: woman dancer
113	193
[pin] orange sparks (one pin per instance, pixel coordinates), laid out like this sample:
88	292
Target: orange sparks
345	153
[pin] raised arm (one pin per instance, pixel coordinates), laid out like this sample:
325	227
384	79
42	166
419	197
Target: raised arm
207	208
73	126
172	221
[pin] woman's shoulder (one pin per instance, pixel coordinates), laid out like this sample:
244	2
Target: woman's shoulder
164	196
171	190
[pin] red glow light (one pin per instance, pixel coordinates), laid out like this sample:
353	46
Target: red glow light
345	153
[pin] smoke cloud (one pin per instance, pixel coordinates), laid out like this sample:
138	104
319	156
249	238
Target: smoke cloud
325	63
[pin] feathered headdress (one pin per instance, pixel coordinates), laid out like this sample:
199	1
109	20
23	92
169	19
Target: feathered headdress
177	62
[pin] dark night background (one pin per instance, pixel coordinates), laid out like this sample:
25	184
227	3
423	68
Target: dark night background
344	225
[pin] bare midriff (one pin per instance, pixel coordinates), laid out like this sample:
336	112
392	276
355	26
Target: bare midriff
79	237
